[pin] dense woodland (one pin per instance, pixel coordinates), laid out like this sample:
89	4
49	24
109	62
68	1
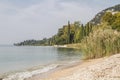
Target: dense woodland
93	38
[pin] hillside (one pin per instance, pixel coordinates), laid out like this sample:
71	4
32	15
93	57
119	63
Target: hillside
97	19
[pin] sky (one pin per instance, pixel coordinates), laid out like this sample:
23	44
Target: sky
35	19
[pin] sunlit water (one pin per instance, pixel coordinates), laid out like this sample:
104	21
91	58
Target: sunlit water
14	58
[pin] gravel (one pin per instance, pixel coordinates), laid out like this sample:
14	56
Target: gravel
108	69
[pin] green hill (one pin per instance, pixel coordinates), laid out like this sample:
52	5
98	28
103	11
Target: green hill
97	19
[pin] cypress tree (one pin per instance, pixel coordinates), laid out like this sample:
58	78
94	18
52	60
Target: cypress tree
87	29
90	26
82	31
68	32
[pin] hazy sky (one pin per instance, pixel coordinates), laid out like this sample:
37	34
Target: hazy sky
36	19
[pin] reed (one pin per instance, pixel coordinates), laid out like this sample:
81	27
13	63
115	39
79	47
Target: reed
103	41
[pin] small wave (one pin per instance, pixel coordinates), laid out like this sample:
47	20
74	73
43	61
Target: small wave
28	74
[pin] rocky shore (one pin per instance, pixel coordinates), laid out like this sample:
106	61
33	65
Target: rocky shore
107	68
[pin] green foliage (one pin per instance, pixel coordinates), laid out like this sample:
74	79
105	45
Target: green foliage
71	33
116	23
112	19
68	34
103	41
87	29
108	17
77	36
42	42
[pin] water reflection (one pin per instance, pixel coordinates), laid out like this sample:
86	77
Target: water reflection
68	54
27	56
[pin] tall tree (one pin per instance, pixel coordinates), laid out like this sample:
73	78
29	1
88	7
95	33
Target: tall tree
68	32
82	30
87	29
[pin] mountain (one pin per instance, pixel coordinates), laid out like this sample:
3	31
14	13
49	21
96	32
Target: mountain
97	19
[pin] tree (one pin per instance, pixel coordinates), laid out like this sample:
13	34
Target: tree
87	29
77	31
68	32
113	20
116	23
108	17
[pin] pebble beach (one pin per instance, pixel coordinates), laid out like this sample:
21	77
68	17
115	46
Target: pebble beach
107	68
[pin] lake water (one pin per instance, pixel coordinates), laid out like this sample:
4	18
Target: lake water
13	58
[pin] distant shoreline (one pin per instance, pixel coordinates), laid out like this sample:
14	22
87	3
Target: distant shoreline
74	46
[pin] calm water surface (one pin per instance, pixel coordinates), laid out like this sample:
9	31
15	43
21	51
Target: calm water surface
16	58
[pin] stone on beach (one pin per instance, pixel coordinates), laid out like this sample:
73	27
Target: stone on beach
108	69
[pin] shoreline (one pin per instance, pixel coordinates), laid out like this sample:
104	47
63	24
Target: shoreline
36	70
73	46
107	68
31	71
44	76
65	70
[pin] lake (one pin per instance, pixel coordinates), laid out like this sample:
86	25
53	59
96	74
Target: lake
16	58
